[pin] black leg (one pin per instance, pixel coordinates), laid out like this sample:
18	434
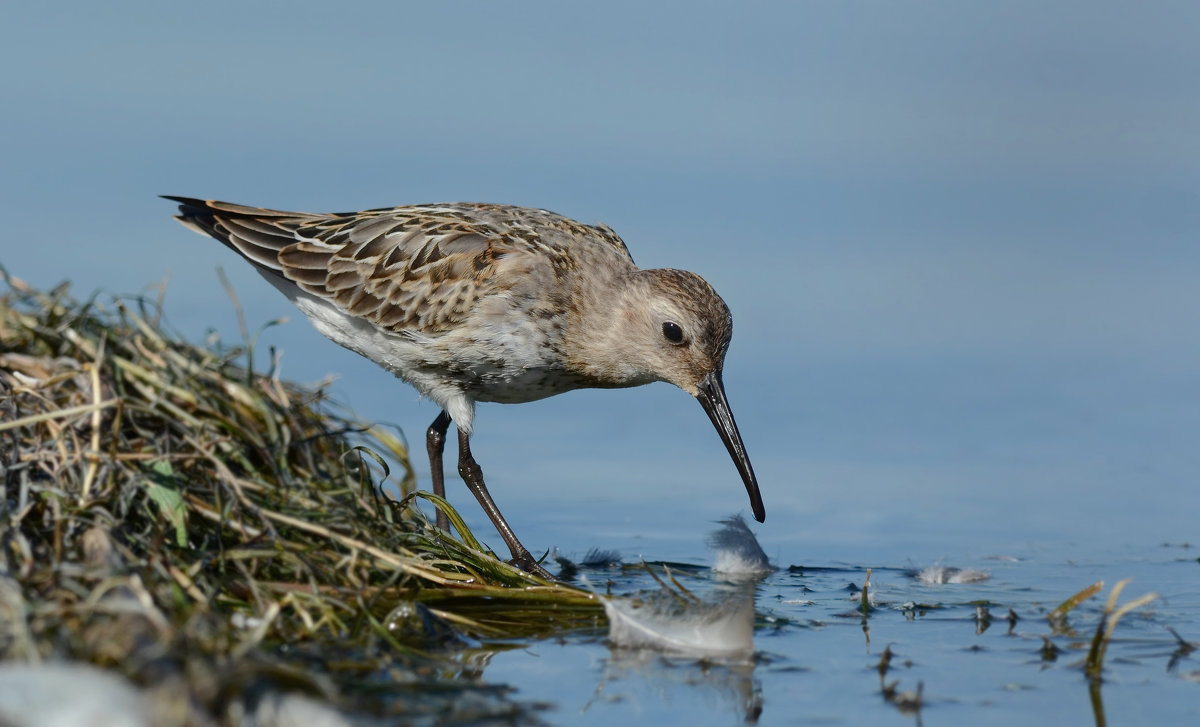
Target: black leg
435	442
473	476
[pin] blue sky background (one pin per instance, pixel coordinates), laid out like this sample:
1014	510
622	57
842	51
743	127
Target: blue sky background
959	239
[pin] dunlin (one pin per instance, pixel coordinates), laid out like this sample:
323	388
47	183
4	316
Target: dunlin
484	302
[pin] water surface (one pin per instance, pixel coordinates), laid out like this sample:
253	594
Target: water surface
817	657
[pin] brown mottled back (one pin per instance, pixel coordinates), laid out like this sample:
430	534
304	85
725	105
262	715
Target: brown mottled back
415	268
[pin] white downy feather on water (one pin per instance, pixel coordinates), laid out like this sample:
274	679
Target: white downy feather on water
736	551
670	623
679	623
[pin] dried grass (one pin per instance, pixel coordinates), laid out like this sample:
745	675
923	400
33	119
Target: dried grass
211	532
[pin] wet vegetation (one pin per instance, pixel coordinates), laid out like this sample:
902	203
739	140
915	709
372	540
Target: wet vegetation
212	533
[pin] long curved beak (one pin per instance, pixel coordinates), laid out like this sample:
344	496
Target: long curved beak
711	396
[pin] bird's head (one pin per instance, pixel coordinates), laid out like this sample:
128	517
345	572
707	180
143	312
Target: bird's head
670	325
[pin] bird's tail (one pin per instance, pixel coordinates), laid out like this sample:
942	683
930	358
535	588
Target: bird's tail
255	233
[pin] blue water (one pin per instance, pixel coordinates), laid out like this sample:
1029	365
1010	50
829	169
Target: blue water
958	242
817	657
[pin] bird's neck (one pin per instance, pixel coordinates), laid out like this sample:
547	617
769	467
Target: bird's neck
601	317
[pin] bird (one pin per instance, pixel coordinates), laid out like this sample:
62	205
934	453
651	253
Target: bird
476	302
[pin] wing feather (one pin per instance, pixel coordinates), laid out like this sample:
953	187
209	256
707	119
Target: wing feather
421	268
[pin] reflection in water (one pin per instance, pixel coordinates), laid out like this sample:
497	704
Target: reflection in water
670	644
649	680
1097	702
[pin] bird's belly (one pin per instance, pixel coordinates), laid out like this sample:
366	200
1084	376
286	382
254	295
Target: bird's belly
512	365
520	386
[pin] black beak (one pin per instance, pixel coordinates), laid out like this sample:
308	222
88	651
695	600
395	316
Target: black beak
711	396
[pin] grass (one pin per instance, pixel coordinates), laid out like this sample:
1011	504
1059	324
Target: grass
1093	664
188	521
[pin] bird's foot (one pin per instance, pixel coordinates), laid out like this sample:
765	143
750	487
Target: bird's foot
525	561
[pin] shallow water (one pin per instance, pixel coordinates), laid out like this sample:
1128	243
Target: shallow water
817	657
1047	478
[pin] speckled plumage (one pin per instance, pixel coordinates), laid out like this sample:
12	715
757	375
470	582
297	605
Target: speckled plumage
482	302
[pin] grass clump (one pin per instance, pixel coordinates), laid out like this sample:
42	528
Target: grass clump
213	533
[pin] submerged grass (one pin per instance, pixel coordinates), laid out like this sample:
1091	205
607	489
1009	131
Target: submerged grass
1094	664
212	532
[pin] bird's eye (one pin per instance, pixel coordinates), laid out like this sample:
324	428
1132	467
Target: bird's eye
672	332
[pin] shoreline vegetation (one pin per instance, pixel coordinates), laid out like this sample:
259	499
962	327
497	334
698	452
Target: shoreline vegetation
214	534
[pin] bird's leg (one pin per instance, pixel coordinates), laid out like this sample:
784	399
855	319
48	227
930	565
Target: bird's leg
435	442
473	476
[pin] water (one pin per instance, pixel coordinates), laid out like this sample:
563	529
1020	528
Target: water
817	657
1041	533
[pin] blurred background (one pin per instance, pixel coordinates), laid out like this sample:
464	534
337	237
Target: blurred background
958	239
